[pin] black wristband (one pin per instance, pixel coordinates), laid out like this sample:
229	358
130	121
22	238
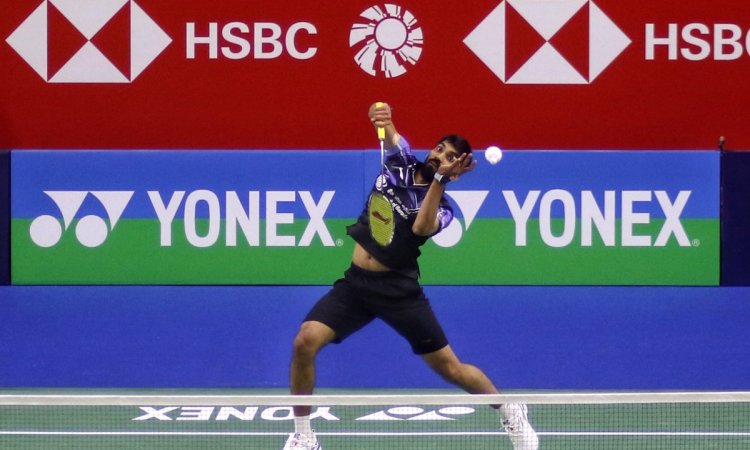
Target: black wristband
440	178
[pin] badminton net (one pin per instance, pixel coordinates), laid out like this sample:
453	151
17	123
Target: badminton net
600	421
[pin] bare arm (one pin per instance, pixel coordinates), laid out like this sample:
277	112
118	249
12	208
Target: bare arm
427	222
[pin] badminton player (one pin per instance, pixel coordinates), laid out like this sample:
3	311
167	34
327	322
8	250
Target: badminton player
406	206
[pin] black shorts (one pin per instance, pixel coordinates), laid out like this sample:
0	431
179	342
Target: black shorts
362	295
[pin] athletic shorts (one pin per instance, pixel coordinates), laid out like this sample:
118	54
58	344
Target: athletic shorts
398	300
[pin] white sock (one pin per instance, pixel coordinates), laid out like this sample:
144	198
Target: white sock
302	425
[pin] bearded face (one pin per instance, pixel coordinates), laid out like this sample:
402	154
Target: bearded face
430	167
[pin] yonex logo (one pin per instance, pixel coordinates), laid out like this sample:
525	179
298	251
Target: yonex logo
469	203
415	413
547	42
285	413
91	231
600	217
226	413
89	41
387	41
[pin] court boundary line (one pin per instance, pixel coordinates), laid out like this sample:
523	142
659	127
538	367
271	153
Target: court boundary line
377	433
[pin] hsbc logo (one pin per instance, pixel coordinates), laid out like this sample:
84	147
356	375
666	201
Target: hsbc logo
388	40
547	42
89	41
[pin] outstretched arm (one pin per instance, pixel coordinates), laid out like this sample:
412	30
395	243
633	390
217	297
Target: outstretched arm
380	116
426	222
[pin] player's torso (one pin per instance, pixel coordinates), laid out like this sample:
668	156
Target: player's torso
398	185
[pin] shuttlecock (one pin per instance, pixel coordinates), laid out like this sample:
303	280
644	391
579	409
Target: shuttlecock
493	154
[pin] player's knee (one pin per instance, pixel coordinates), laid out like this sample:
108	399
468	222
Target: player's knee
303	344
307	342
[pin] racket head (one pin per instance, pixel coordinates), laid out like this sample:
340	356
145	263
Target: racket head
382	221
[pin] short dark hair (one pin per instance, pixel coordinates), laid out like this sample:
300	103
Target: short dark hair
458	142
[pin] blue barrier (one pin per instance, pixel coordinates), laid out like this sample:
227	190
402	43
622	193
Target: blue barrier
524	337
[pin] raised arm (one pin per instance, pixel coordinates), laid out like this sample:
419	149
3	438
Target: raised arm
427	221
380	116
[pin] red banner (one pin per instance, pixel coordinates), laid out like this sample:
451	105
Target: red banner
262	74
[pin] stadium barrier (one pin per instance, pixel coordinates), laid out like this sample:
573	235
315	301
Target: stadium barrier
735	218
4	217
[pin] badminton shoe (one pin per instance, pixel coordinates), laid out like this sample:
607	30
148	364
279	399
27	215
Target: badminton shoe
299	441
516	424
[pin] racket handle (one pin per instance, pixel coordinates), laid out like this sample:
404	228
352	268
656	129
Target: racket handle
381	130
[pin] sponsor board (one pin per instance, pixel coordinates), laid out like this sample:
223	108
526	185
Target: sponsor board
601	218
584	218
183	218
574	74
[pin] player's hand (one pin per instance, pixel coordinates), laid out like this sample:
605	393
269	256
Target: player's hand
459	166
380	116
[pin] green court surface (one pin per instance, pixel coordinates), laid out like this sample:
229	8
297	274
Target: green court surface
342	427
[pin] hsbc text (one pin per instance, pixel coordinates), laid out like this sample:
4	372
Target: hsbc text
268	40
698	41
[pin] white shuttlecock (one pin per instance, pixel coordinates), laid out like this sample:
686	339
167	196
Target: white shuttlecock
493	154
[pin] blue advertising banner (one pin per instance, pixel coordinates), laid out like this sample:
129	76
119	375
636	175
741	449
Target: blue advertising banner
242	217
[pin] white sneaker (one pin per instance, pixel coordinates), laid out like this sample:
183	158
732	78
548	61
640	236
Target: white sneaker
516	424
299	441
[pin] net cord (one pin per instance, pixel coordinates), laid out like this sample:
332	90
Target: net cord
360	400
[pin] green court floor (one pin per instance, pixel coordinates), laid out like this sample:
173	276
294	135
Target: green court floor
434	427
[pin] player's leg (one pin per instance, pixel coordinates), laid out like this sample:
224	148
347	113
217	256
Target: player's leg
469	378
513	417
334	317
311	338
415	320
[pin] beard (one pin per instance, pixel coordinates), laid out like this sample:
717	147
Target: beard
429	168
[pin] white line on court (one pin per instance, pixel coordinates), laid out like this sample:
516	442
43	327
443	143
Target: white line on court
365	434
